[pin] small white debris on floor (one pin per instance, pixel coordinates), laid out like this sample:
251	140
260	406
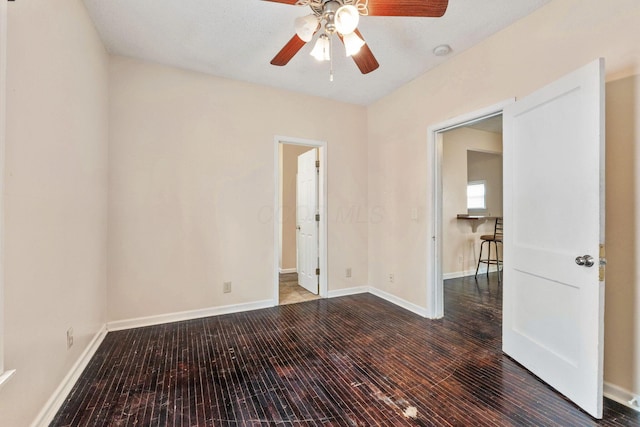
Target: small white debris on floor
411	412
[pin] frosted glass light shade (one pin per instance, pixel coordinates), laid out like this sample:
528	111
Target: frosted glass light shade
352	43
347	18
306	26
321	51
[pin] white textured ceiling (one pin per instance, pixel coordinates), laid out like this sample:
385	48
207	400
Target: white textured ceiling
238	38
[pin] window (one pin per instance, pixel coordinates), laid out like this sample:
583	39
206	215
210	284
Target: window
476	191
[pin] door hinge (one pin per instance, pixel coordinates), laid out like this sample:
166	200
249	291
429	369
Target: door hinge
317	271
317	217
317	163
602	264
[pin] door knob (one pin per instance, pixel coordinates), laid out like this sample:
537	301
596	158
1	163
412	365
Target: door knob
586	260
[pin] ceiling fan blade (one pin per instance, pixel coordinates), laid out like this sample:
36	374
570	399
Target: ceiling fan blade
292	2
364	59
288	51
424	8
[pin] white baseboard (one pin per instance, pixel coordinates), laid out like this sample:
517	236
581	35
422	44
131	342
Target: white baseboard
622	396
458	274
288	270
421	311
58	397
186	315
349	291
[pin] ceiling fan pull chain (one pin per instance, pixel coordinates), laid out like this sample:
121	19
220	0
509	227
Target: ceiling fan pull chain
330	58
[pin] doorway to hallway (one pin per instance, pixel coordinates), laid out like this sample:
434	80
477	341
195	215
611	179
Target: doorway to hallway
300	223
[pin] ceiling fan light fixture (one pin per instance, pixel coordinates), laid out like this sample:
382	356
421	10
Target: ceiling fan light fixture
346	19
306	27
352	43
322	50
343	16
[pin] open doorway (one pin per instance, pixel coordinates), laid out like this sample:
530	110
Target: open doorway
471	207
473	139
300	222
471	195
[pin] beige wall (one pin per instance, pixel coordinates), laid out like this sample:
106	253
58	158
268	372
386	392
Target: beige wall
55	198
3	109
487	167
191	188
556	39
461	245
622	319
289	168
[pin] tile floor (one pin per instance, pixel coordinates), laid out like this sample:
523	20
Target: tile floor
291	292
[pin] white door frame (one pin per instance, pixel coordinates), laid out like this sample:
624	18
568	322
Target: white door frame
322	207
435	293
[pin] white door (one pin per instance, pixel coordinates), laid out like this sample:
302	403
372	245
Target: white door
554	216
306	210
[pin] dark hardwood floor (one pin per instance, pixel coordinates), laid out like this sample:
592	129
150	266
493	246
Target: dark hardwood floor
355	360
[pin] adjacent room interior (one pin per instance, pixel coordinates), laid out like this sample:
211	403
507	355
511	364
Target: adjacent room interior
472	193
297	186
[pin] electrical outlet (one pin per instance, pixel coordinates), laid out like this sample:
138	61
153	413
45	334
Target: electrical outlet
392	277
347	272
226	287
69	338
460	259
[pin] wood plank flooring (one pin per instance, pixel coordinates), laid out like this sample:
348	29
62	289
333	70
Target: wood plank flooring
349	361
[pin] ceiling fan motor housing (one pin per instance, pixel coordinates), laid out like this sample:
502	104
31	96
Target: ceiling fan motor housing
318	6
329	10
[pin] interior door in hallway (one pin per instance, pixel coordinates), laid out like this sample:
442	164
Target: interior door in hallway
306	217
554	227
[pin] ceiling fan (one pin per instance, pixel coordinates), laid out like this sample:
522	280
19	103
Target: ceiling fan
341	17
